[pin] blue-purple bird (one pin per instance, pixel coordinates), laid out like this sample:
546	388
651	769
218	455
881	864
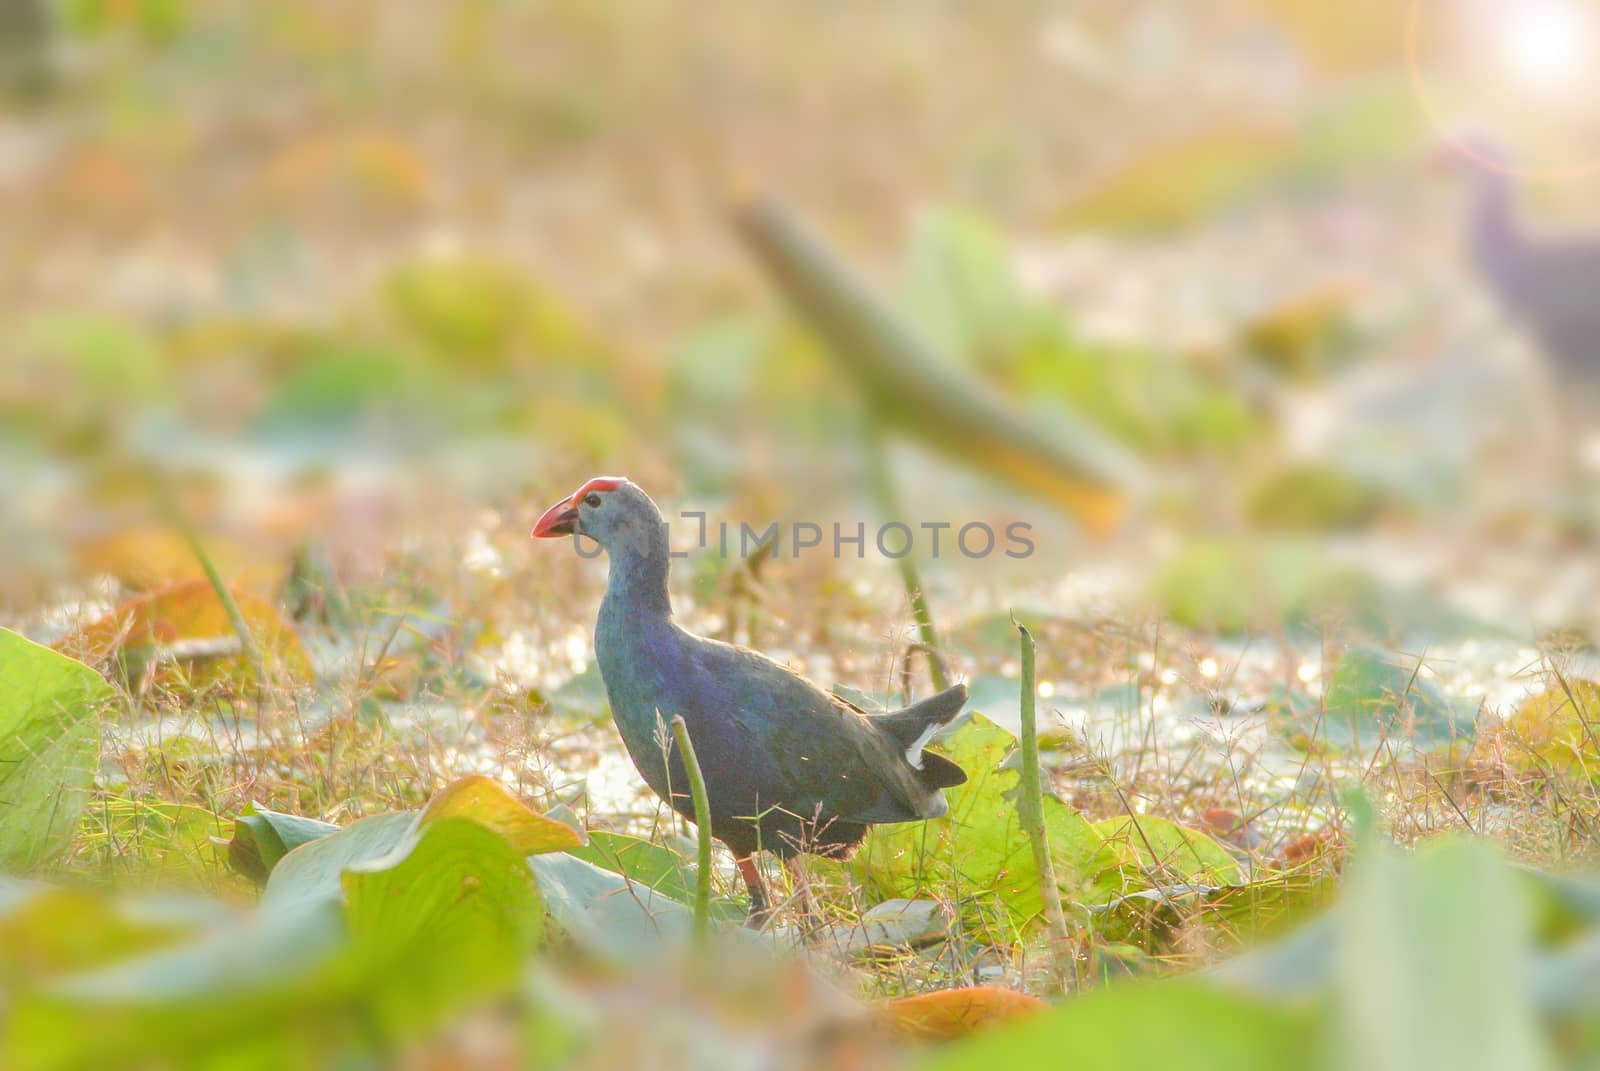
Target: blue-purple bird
789	767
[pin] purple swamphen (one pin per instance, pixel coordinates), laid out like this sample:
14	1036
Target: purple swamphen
1548	284
788	767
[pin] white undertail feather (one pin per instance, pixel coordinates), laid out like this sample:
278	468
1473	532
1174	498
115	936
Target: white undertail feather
914	752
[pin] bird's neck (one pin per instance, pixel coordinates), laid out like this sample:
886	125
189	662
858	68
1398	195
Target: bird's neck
634	643
637	587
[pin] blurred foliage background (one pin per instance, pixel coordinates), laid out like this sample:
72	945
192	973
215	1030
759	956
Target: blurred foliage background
346	292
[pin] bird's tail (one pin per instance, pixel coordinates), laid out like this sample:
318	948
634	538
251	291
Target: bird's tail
914	726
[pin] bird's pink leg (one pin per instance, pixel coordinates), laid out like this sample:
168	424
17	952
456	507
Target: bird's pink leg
760	912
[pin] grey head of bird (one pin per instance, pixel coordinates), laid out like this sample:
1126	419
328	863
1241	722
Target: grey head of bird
612	510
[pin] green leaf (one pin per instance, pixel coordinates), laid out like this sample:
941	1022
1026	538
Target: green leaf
444	920
268	984
960	288
338	395
979	850
46	931
262	837
49	747
1314	497
114	360
1140	1027
1232	588
604	912
653	866
447	921
470	309
1373	697
312	872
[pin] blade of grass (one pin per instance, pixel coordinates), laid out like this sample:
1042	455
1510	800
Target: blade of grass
889	502
167	502
1032	808
702	822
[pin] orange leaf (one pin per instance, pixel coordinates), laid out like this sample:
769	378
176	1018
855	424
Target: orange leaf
185	629
954	1013
146	558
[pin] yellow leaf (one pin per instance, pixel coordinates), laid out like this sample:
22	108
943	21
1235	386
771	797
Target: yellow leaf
954	1013
1171	185
1557	731
486	802
1291	332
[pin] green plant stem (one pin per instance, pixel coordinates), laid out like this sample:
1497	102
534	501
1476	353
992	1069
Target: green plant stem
1032	809
889	504
169	505
702	822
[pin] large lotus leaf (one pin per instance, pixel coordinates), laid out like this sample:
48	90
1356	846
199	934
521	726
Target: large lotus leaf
1142	1026
604	912
49	747
443	920
979	848
313	869
447	919
653	866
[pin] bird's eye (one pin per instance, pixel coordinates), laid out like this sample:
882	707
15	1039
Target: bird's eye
591	499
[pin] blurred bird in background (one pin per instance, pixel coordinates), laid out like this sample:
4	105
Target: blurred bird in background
1548	284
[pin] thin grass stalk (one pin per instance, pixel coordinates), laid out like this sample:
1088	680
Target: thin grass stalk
168	504
1032	808
889	504
702	822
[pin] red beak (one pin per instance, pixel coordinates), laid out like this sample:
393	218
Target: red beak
559	520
